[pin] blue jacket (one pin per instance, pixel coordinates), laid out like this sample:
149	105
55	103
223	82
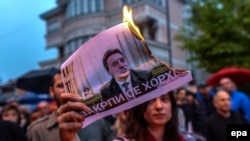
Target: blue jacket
240	102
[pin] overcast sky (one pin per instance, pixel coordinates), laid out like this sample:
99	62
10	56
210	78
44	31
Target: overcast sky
22	36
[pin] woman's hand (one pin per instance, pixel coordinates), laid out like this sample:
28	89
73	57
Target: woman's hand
68	116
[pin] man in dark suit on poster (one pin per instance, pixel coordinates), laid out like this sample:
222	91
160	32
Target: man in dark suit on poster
123	79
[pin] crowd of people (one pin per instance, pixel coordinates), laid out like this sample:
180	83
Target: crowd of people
208	111
204	111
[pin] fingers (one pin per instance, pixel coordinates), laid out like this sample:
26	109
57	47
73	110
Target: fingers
70	116
65	97
70	110
72	106
68	131
70	126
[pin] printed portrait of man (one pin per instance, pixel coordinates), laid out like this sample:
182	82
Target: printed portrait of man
124	79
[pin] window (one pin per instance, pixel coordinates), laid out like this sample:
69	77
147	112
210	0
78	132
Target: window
74	44
148	28
81	7
98	5
187	11
78	7
90	8
129	1
53	25
159	2
187	14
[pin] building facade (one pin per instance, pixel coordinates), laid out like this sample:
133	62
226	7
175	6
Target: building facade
73	22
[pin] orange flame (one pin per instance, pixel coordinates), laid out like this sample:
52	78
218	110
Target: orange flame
127	18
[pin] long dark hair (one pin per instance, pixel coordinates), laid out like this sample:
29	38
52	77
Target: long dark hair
136	126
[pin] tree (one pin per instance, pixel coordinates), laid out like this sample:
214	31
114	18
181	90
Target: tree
221	34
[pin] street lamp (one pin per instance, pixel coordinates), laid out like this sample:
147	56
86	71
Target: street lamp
168	33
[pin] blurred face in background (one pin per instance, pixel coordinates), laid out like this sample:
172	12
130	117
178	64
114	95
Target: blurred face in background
181	95
57	88
222	101
158	111
10	115
190	99
205	90
44	107
227	84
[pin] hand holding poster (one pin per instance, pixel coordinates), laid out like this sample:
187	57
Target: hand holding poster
115	71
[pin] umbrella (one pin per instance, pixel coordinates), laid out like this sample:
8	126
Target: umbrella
37	81
27	98
4	98
32	98
238	75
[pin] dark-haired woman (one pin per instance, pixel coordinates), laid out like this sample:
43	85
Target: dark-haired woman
155	120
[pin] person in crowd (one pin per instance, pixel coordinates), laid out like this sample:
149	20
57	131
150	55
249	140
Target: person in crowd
194	114
205	97
216	124
181	120
11	113
44	107
180	95
13	101
35	115
240	101
123	78
10	131
46	128
192	87
193	111
120	123
24	118
153	120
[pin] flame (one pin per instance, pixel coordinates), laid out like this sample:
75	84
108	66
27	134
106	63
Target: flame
127	18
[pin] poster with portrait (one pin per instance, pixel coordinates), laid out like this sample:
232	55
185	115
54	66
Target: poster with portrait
115	71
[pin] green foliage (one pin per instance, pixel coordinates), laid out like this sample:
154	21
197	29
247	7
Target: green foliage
221	35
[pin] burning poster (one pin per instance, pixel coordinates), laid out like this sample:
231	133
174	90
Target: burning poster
115	71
